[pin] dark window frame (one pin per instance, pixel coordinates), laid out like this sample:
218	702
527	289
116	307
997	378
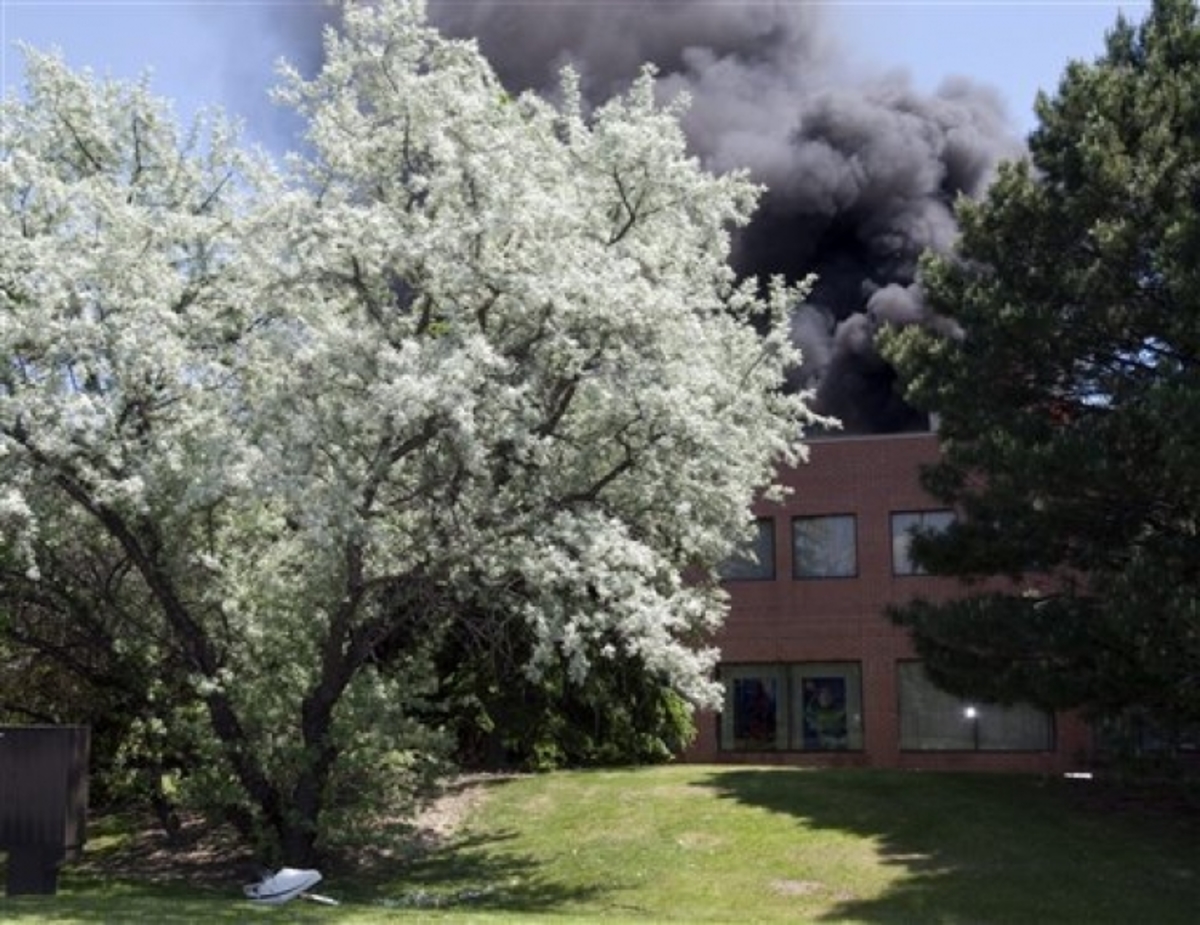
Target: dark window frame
766	564
793	729
973	715
914	570
835	576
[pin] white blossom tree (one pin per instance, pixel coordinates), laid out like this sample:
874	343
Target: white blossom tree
471	350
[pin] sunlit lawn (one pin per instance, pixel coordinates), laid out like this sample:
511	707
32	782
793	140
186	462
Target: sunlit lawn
740	845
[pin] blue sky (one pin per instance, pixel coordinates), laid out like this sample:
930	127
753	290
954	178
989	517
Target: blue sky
1018	46
206	51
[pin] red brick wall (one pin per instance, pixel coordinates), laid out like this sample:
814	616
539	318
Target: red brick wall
841	619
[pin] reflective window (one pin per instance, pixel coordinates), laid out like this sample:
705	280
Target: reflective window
800	707
933	720
755	714
824	547
757	561
904	525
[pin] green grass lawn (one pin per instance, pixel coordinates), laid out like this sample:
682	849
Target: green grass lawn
741	845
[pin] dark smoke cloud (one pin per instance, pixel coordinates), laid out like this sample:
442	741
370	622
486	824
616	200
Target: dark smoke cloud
861	171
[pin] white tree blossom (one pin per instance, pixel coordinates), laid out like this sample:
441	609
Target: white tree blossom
470	348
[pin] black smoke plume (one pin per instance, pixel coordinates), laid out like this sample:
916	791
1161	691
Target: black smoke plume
861	172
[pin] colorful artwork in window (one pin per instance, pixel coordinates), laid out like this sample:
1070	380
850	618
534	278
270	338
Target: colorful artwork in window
755	702
824	711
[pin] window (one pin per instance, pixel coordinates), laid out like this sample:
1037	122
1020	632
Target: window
824	547
903	527
829	697
800	707
1138	731
757	561
755	714
932	720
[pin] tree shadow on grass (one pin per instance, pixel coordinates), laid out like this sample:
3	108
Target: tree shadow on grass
474	872
975	848
470	874
448	867
199	879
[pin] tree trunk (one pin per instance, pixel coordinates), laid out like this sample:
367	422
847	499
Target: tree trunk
302	819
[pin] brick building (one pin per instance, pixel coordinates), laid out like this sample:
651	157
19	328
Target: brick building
815	673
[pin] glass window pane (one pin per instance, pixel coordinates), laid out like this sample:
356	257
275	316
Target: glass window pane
937	521
829	708
1019	727
932	720
903	527
824	547
755	714
757	562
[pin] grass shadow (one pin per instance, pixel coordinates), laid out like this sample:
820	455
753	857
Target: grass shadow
460	868
130	872
471	872
989	848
